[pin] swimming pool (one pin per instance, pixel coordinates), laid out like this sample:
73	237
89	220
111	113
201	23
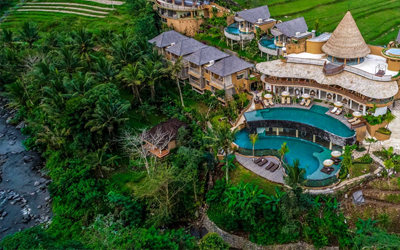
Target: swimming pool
268	43
233	29
393	52
311	155
315	117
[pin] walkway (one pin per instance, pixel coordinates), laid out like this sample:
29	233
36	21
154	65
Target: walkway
248	163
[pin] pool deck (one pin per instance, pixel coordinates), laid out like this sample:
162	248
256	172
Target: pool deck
248	163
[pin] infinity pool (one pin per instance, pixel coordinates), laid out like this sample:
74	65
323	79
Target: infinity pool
233	29
310	155
393	52
268	43
315	117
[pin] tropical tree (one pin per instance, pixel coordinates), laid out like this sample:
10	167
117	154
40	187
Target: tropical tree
7	37
242	98
244	200
253	139
69	60
212	241
389	118
101	161
174	70
133	76
283	151
295	174
105	70
347	162
370	141
388	165
222	137
274	200
83	41
29	33
152	72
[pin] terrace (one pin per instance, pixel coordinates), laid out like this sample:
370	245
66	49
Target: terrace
179	4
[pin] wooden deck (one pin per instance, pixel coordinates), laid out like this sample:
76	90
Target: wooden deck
248	163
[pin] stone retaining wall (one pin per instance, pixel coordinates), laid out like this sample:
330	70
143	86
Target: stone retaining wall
242	243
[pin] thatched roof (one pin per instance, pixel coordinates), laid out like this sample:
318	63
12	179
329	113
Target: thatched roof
347	80
346	41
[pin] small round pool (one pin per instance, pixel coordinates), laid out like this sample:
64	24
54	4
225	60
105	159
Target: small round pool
393	52
310	155
268	43
233	29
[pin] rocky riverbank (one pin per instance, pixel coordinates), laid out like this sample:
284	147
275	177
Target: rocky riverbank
24	198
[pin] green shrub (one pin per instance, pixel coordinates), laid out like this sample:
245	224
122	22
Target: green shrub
366	159
212	241
384	131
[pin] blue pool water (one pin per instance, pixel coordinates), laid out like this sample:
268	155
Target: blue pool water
233	29
315	117
268	43
393	51
310	155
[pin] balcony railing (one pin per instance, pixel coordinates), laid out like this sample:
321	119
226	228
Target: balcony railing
354	70
177	7
328	88
268	51
194	70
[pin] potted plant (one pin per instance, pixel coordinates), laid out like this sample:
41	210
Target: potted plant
383	134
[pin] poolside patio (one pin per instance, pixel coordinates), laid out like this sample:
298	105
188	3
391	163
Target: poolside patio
248	163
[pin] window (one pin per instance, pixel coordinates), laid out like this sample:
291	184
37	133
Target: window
240	76
208	82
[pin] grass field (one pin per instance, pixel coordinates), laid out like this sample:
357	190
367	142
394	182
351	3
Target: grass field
378	20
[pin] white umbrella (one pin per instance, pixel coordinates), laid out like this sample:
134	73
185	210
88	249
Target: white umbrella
305	96
336	154
328	163
338	104
357	114
268	96
285	93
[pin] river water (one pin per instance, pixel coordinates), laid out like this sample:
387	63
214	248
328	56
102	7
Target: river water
24	198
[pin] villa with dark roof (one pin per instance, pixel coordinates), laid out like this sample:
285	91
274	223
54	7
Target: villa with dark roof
286	37
245	24
207	68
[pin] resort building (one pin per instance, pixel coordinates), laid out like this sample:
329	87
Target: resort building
348	71
186	16
286	37
245	25
315	101
207	68
392	54
167	39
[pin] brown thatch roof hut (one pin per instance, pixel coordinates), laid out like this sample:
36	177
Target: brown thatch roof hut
346	41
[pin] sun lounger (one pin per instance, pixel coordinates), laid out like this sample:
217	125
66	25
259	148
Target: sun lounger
256	161
303	102
339	111
288	100
266	104
334	110
352	120
271	102
269	166
263	162
308	102
274	168
283	100
358	121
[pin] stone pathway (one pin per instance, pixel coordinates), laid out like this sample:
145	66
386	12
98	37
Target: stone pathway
70	4
60	11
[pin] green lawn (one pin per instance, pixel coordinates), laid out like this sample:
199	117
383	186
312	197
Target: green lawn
242	174
124	181
359	169
199	105
378	20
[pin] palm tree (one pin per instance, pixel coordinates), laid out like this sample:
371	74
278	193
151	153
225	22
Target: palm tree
29	33
152	72
108	115
83	41
295	174
175	70
133	76
7	37
69	60
253	139
222	138
283	151
104	69
101	161
371	141
388	165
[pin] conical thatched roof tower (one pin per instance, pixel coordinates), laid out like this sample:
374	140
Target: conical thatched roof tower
346	41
